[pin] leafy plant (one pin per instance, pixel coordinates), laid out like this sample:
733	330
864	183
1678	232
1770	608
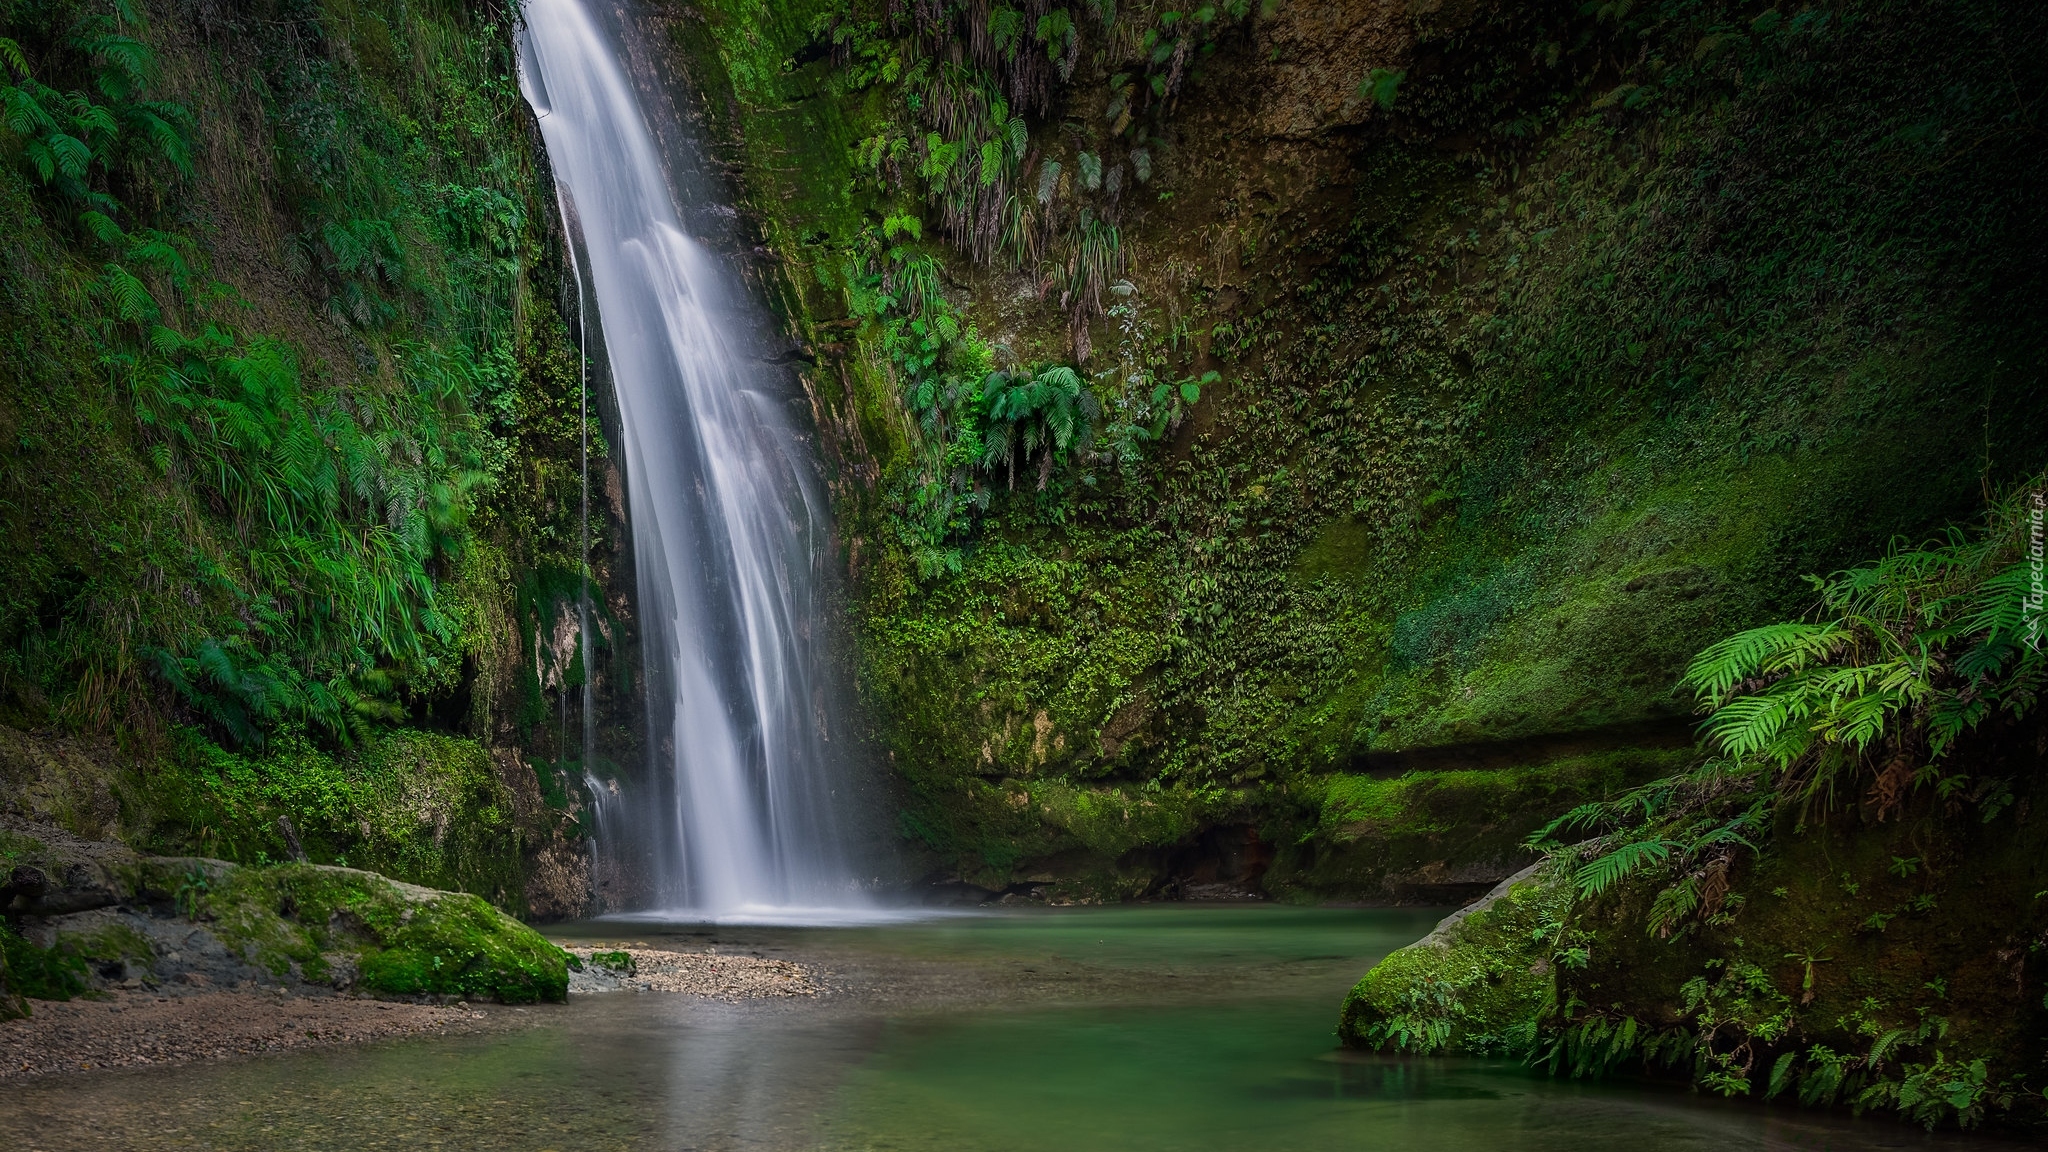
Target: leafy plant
1381	85
1045	414
1910	652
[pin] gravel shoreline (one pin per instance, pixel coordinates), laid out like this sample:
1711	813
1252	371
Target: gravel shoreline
711	974
141	1027
136	1028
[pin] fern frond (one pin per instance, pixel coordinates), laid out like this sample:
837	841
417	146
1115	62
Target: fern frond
69	155
131	298
1750	724
1715	672
1673	906
168	140
102	228
1616	864
1586	815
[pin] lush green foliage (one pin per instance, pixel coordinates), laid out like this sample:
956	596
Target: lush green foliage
1897	691
967	94
1863	703
1911	652
1568	354
317	480
422	807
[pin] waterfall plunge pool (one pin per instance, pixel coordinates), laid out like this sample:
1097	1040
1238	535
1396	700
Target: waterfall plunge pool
1151	1027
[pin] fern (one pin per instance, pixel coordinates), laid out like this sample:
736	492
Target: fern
1612	866
131	299
1919	648
1715	672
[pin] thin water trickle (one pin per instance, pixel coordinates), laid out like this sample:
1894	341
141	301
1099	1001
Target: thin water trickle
591	784
728	527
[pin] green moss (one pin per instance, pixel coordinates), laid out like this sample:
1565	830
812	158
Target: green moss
31	972
1478	984
1506	430
113	942
1853	961
1113	820
342	544
296	919
422	807
1420	803
16	845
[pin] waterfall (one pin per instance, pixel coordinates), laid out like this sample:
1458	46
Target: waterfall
729	530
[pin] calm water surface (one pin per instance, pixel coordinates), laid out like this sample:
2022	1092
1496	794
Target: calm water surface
1148	1028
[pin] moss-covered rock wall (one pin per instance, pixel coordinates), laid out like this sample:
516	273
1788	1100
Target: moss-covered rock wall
1287	446
291	483
1884	961
1458	371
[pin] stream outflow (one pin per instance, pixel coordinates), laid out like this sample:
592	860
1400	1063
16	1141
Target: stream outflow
728	526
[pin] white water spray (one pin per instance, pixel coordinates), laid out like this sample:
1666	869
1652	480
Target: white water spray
728	528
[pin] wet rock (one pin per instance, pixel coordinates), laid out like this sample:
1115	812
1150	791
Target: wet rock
126	947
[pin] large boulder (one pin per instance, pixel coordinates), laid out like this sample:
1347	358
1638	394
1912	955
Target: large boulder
188	923
1478	983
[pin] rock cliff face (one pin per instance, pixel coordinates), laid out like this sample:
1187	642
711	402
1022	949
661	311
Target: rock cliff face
1462	370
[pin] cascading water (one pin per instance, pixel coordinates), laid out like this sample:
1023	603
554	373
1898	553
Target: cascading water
728	529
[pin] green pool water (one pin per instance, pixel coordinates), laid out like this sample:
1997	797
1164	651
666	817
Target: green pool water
1145	1028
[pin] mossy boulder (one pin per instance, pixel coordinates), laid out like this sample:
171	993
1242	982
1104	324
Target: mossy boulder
322	923
1478	983
187	922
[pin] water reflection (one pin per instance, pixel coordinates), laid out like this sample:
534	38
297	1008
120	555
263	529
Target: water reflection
1160	1030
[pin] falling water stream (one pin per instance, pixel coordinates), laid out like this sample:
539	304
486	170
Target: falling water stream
728	526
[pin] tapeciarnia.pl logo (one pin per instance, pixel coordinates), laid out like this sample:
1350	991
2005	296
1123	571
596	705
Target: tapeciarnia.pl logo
2036	512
